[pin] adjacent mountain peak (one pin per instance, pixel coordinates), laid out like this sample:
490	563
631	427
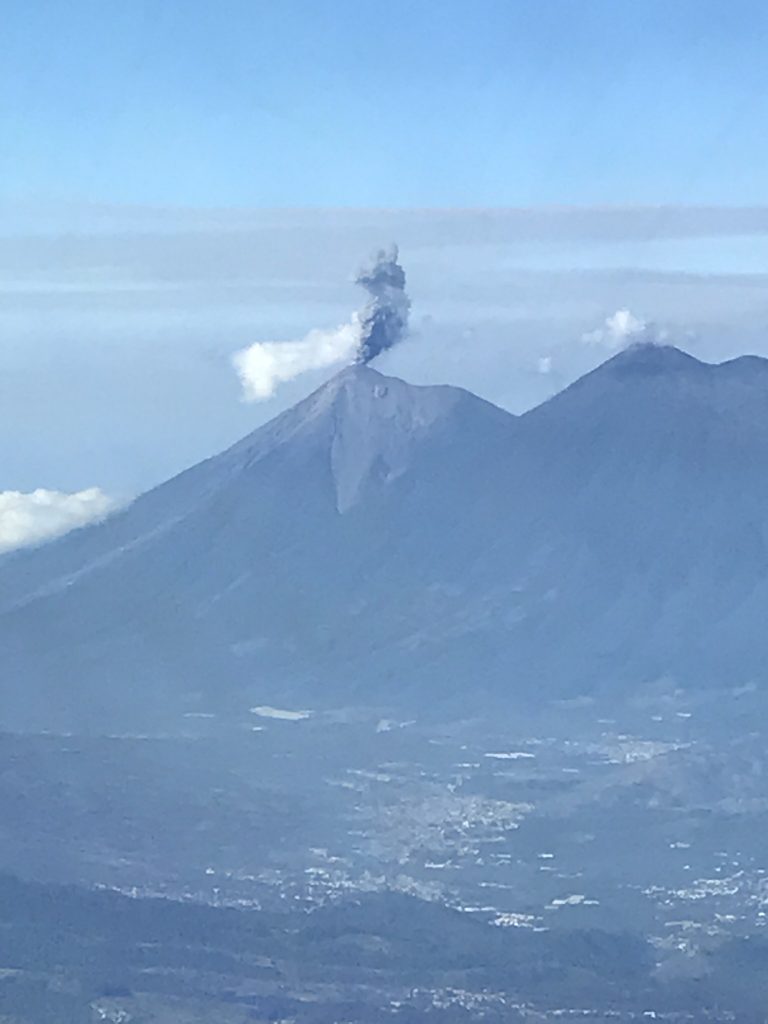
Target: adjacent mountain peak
651	358
658	396
643	371
750	369
647	359
650	370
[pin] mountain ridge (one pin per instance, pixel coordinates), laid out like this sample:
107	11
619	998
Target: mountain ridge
386	544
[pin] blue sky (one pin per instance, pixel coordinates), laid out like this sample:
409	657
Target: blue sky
362	103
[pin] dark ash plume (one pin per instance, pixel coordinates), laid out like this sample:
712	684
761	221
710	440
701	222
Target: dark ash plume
382	323
384	319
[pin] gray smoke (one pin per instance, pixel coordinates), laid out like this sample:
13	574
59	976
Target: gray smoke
382	323
384	319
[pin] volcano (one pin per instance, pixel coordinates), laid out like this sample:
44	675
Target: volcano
395	546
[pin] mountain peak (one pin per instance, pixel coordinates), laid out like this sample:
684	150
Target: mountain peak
357	375
363	395
750	368
368	425
376	424
628	387
647	358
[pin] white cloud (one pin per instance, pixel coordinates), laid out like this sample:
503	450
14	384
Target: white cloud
40	515
544	364
623	328
261	367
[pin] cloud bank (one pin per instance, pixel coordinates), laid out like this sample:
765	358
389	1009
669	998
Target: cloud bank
27	519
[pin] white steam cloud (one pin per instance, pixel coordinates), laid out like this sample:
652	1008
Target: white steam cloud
623	328
41	515
261	367
380	325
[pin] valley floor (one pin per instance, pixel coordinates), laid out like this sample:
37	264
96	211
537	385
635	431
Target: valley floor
594	863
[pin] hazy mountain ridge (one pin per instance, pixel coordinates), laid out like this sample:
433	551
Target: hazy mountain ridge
381	542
